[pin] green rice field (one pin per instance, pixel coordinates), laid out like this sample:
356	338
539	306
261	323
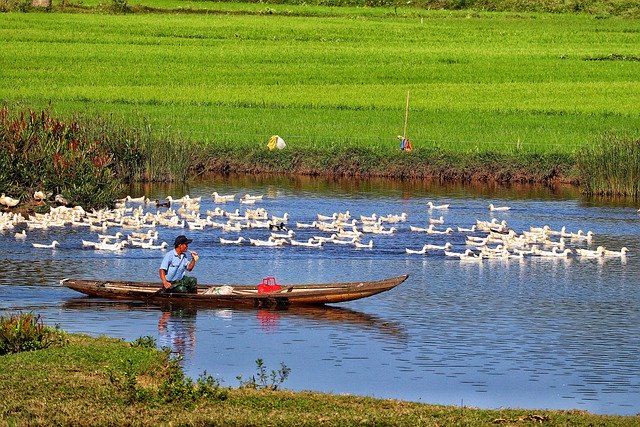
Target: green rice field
322	77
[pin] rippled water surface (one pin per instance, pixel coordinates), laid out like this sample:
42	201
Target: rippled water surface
533	333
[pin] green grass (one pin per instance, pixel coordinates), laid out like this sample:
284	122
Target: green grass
478	81
90	381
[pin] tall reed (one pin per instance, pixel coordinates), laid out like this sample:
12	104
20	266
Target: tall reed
85	160
612	167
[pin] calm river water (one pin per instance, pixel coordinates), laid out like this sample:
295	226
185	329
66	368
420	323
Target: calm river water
531	333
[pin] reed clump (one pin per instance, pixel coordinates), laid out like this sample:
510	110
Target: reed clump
612	167
87	161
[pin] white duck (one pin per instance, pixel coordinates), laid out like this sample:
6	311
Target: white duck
418	252
438	207
311	243
445	247
51	245
498	208
162	246
21	235
436	220
363	245
238	241
267	243
587	253
553	253
432	230
288	235
118	246
466	253
8	201
621	253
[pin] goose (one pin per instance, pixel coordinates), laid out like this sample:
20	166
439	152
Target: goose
436	221
418	252
238	241
309	243
363	245
621	253
21	235
587	253
439	207
52	245
498	208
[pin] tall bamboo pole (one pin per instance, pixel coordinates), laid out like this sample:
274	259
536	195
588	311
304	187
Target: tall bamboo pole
406	117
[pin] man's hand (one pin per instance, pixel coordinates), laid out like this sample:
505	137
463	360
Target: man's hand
195	256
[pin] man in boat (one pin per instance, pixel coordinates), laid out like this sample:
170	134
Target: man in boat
174	266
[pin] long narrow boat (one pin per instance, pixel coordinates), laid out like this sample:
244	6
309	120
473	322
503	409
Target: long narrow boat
236	295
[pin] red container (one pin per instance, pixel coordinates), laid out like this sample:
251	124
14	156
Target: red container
268	285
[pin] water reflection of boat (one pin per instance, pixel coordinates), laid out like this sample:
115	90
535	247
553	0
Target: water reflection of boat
237	295
269	319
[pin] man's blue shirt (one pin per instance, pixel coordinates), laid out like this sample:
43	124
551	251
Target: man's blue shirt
175	265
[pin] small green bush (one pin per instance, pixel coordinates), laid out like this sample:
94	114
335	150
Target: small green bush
26	332
265	381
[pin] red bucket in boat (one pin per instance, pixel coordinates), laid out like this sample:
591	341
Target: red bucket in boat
268	285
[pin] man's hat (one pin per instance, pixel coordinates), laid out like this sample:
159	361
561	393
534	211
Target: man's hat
180	240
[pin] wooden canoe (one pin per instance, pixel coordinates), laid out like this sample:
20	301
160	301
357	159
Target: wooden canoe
240	295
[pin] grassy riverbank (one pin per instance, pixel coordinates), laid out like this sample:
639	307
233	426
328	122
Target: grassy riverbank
103	381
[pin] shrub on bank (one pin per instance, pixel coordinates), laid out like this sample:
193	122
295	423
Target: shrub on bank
26	332
87	161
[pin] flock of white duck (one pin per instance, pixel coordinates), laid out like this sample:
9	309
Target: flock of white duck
132	216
